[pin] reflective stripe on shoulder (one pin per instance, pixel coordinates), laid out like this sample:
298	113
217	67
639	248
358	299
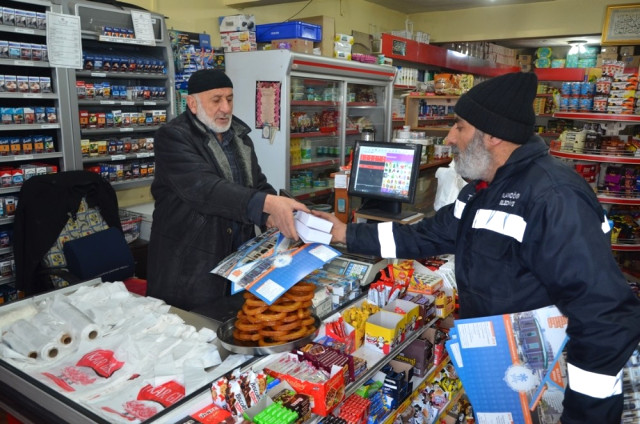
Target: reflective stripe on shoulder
458	209
500	222
592	384
387	242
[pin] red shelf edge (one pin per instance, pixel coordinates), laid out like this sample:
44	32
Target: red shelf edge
429	54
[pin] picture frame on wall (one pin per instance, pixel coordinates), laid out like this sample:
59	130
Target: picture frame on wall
621	24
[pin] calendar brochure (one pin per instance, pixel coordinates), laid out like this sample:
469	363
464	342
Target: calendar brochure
512	366
270	264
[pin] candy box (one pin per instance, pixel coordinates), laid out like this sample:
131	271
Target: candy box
419	352
383	331
410	312
325	395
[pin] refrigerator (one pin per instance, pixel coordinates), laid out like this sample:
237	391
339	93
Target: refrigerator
306	113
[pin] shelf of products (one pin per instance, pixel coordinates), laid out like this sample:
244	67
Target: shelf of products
610	166
420	108
34	139
124	93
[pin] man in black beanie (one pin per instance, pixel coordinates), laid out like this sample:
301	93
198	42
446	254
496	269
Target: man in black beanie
527	232
209	193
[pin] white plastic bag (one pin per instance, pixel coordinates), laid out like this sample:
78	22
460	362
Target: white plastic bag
449	185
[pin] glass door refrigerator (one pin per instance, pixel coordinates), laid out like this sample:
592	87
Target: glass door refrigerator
307	112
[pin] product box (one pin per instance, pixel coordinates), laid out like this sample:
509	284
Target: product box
282	30
409	311
419	353
328	26
299	45
626	50
233	23
631	63
326	396
240	41
383	331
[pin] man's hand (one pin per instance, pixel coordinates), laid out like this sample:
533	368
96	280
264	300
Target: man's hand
339	229
280	210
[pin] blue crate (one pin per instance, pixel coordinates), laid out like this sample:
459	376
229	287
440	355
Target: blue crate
282	30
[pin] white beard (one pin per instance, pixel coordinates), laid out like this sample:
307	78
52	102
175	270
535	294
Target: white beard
473	163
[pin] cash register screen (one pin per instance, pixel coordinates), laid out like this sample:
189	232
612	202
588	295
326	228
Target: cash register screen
385	176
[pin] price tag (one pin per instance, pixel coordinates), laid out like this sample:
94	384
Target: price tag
150	103
143	155
118	157
99	74
23	157
107	102
25	30
128	129
127	103
24	63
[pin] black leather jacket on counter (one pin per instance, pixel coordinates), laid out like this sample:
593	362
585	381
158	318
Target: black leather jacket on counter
534	237
197	209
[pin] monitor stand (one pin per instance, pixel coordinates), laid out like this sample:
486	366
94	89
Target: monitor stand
384	210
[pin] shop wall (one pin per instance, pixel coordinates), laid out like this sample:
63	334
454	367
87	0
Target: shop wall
533	20
202	15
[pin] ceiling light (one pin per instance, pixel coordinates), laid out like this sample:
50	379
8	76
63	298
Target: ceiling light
577	46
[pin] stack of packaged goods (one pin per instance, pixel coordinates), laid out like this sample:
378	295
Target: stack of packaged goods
238	33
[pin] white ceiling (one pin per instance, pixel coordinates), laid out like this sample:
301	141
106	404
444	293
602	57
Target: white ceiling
419	6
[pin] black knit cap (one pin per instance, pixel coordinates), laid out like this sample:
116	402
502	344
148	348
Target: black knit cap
502	106
208	79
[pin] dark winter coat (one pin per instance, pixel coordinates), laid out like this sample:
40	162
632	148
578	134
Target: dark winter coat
197	209
536	236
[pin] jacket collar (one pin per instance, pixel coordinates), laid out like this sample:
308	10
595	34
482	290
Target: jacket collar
522	157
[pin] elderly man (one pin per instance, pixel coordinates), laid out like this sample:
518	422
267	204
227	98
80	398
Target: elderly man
527	232
209	193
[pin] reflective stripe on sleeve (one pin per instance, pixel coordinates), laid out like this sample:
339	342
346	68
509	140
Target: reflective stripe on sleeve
500	222
387	242
592	384
606	227
458	208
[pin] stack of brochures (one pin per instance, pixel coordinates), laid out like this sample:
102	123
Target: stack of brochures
512	366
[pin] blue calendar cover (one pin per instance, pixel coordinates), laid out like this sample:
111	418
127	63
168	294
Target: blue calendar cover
270	264
512	366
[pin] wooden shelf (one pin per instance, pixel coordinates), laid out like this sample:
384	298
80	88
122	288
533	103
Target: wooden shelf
435	163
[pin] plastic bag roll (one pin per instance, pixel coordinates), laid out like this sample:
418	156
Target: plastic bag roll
82	326
36	344
14	314
59	331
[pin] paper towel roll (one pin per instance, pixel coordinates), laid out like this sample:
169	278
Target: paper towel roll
35	342
82	326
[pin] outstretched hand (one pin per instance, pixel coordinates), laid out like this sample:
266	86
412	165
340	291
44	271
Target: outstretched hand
339	229
281	210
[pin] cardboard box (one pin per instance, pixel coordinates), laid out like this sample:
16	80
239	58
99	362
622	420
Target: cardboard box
419	353
233	23
627	50
299	45
326	396
409	311
328	33
383	331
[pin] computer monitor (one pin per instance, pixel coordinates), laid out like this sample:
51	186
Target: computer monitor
385	176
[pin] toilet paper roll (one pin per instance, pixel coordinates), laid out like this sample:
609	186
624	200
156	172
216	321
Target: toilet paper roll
30	340
83	327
